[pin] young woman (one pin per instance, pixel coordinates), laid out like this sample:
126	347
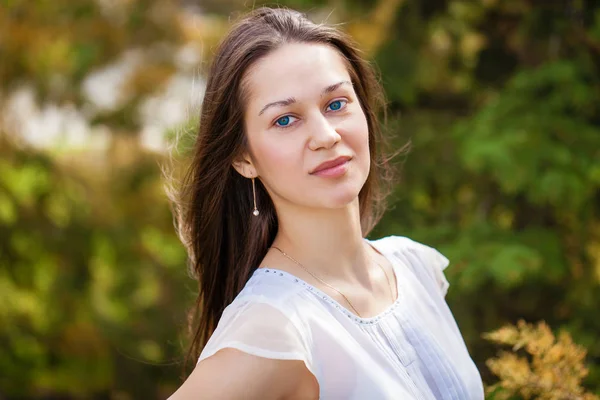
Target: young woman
284	186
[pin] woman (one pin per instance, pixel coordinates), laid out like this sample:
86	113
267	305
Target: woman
284	185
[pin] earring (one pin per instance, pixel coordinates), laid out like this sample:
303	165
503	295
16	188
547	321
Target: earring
255	212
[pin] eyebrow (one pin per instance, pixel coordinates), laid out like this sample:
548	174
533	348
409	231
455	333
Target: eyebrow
292	100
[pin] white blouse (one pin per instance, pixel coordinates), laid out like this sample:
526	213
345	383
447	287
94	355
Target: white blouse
412	350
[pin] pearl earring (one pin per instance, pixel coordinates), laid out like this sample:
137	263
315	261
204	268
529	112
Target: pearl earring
255	212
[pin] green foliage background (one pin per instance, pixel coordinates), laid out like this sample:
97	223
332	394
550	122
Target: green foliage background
500	100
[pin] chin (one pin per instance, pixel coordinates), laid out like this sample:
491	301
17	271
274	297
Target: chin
342	197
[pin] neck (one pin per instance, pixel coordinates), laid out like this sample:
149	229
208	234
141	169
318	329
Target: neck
326	242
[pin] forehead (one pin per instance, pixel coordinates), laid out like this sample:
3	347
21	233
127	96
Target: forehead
294	70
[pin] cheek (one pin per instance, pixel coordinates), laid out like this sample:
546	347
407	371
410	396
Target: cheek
277	157
270	150
357	133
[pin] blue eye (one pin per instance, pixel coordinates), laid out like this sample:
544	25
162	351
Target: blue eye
283	121
336	105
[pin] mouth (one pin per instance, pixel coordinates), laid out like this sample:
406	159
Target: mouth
333	168
330	164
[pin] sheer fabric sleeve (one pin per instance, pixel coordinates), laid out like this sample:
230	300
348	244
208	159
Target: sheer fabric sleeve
429	261
260	329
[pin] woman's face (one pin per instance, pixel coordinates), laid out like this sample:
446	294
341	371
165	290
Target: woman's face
302	111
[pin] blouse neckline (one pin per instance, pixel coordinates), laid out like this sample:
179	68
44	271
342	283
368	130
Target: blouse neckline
351	316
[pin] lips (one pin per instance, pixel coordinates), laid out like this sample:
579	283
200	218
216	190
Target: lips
330	164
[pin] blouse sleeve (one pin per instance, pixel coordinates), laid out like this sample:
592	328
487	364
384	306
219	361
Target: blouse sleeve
260	329
427	260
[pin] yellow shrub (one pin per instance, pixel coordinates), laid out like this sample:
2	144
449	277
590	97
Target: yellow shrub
552	370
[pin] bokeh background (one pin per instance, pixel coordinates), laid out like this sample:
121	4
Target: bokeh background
500	100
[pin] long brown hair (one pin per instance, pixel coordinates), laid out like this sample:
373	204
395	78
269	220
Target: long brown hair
213	206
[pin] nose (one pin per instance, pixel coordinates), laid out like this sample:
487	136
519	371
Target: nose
323	134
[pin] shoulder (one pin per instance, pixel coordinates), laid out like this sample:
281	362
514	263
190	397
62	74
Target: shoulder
266	286
265	303
260	323
394	243
424	261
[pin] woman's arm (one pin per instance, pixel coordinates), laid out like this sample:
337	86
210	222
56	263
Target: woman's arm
233	374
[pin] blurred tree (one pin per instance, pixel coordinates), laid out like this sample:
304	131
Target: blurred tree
554	373
91	279
91	273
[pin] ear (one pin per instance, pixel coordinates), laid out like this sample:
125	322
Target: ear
244	166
